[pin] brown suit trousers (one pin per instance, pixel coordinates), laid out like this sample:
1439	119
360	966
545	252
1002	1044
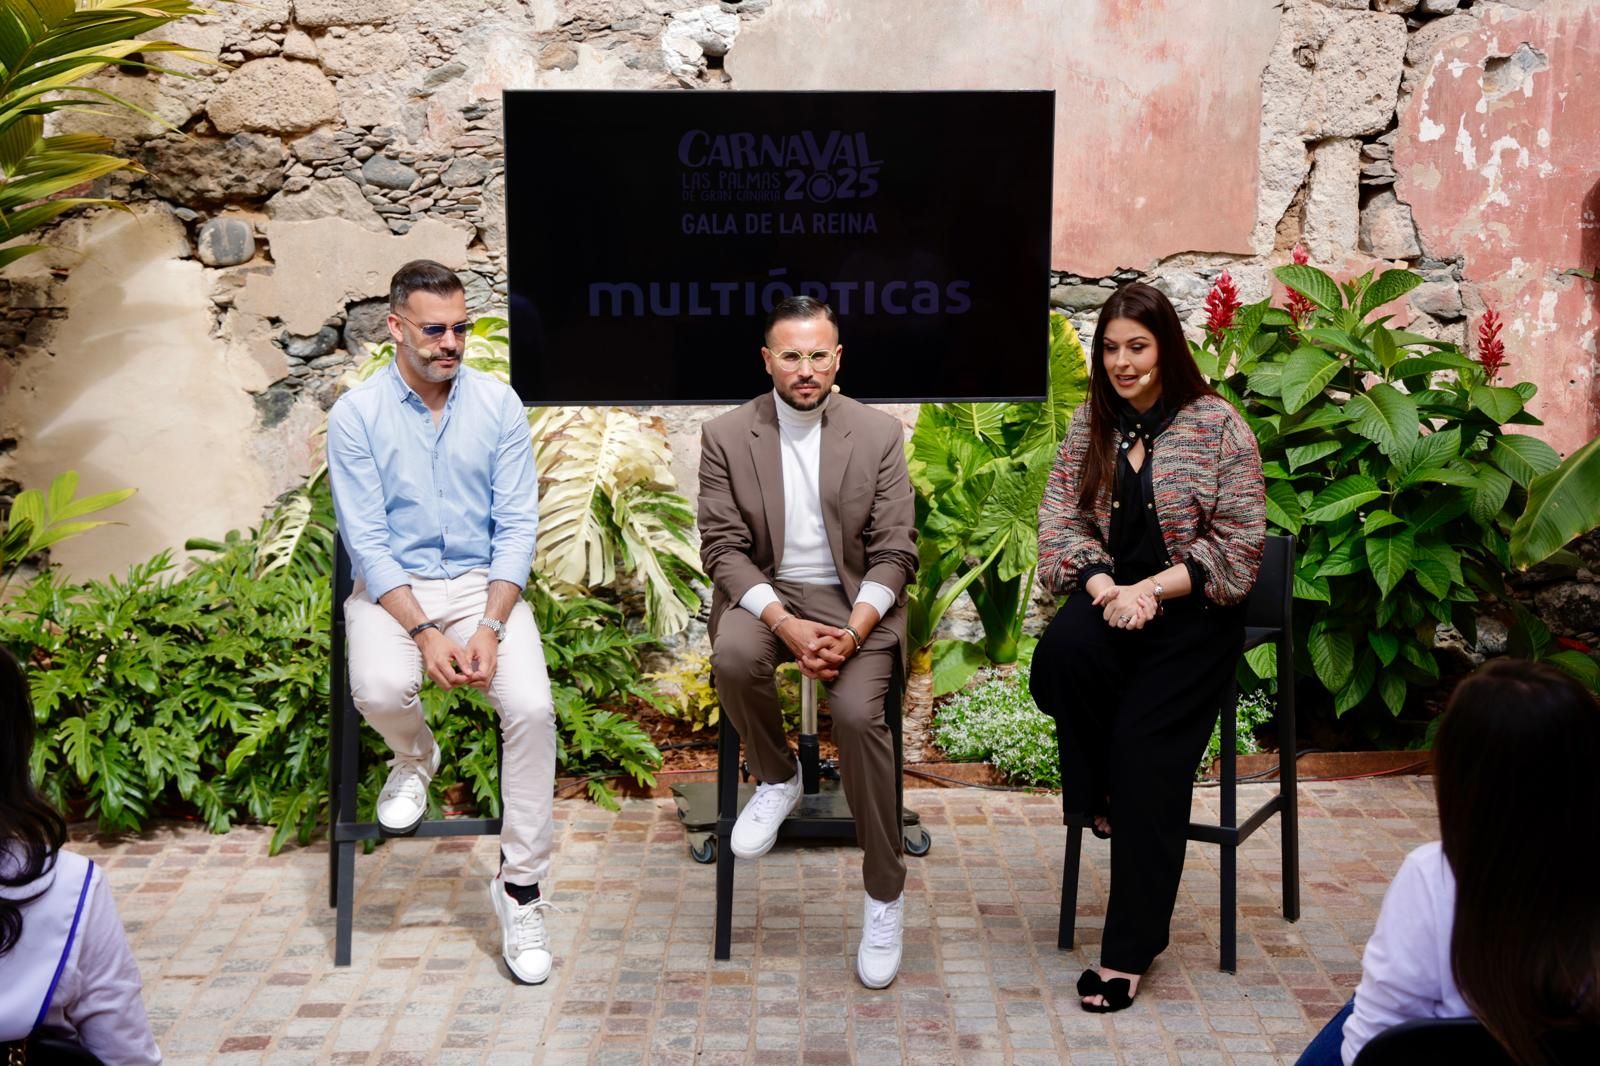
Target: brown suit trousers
869	510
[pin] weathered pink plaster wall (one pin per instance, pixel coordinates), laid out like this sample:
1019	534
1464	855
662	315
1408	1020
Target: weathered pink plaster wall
1158	102
1499	157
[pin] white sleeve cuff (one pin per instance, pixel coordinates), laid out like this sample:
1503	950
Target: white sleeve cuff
876	596
758	598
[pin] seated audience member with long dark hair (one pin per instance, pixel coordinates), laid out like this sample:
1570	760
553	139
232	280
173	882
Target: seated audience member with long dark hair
65	967
1500	918
1154	521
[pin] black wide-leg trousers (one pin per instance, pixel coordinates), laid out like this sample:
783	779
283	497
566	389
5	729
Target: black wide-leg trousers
1133	711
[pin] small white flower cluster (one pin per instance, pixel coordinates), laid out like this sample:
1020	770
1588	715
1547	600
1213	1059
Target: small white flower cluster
996	720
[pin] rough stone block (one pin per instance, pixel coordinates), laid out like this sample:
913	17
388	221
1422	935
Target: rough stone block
319	146
333	198
1357	77
492	220
360	54
1333	201
1395	7
276	95
226	242
1387	230
366	322
315	346
314	14
558	55
209	170
299	45
466	170
386	173
1441	299
1439	7
693	35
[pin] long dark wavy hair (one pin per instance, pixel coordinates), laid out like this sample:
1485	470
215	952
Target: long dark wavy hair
1181	381
1517	772
31	831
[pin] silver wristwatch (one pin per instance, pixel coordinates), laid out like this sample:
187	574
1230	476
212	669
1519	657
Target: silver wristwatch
494	626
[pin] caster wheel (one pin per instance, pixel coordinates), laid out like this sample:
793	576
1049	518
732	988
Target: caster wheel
918	842
705	851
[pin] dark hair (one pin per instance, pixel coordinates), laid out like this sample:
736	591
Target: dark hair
424	275
799	307
1517	773
31	830
1180	377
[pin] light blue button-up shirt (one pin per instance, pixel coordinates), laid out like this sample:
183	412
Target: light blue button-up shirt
433	501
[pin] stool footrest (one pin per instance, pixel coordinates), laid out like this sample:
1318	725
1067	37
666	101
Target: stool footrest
433	827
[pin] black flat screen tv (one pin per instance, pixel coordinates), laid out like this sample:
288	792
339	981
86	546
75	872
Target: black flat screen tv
649	233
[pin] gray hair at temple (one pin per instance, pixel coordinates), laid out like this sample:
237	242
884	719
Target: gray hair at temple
423	275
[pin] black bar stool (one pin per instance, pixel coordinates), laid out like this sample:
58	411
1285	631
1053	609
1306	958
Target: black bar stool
1268	617
344	772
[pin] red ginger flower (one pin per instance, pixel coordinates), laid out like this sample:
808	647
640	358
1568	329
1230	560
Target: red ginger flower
1491	349
1300	308
1222	303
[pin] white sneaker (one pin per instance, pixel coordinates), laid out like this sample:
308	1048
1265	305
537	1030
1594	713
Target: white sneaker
523	942
757	828
882	924
404	799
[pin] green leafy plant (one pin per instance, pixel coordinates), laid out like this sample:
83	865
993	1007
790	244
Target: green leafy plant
38	520
686	691
1563	504
979	471
46	48
1386	455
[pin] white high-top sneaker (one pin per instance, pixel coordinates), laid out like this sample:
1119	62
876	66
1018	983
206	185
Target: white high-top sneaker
882	927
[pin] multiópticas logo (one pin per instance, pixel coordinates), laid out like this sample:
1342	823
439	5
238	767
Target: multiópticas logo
814	165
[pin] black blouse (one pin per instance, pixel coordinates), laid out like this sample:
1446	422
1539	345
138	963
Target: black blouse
1136	544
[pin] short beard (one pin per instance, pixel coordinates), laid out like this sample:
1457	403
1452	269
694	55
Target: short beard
425	368
822	395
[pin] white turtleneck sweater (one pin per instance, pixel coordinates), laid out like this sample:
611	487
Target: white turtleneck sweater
806	558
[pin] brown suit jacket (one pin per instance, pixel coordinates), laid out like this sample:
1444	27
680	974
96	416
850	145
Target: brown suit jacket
868	505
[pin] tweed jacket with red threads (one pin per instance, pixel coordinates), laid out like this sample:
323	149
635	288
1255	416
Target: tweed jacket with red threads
1210	502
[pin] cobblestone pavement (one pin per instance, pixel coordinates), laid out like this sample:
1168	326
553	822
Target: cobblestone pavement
236	947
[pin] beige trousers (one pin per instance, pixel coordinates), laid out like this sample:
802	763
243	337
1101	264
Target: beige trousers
386	677
744	657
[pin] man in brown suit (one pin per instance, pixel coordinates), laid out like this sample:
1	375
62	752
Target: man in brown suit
808	530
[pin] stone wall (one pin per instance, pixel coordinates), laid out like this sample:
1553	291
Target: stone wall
344	136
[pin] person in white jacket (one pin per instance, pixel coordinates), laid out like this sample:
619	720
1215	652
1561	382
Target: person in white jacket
65	967
1500	919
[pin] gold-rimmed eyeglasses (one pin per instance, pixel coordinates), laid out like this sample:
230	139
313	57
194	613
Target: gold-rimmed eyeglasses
821	360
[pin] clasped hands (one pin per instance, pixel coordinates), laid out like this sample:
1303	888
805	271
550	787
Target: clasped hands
451	665
818	649
1128	606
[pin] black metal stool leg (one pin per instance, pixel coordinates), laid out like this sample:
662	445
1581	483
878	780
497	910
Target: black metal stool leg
1069	887
727	811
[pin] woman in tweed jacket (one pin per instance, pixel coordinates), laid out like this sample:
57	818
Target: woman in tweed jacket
1152	525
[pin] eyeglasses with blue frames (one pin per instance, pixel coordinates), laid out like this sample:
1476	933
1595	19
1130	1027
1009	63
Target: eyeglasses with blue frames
433	331
821	360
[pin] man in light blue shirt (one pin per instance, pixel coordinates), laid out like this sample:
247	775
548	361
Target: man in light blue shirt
433	482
